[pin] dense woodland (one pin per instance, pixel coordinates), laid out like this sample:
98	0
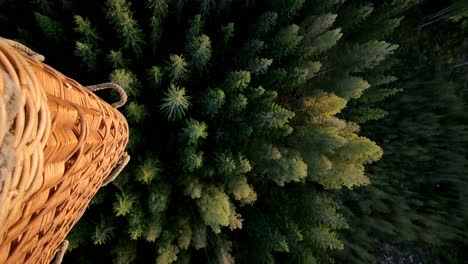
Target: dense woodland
274	131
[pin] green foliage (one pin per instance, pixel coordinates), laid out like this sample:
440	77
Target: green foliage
260	66
199	50
335	154
196	27
123	204
120	14
191	159
355	14
251	50
126	79
242	191
364	56
237	103
155	76
104	231
223	251
214	208
86	30
351	87
415	205
176	68
265	23
51	28
149	170
116	59
193	189
228	32
199	236
136	112
124	252
87	54
364	114
167	252
285	42
154	229
325	41
282	165
78	237
287	8
226	164
194	131
274	118
237	81
158	198
212	101
323	236
175	103
159	7
312	26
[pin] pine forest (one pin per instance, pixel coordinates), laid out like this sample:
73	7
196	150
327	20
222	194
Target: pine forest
271	131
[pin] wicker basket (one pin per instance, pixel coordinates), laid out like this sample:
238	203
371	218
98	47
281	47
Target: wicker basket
59	144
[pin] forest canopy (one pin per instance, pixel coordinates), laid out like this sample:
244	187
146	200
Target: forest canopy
257	127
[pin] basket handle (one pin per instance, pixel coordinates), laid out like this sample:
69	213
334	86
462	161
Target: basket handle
60	253
123	161
22	48
115	87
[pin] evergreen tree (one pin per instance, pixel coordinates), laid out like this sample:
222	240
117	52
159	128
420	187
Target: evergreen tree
87	54
175	103
155	76
285	42
117	60
265	23
136	113
159	11
313	26
214	208
287	9
51	28
196	27
120	14
127	80
260	66
228	32
148	171
176	68
86	30
212	101
194	131
199	50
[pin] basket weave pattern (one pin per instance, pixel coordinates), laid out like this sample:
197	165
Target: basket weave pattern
67	141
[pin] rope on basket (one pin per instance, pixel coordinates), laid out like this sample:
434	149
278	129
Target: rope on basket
24	49
10	104
115	87
61	250
125	158
123	161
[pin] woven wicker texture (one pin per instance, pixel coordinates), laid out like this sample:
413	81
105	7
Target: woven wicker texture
65	146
